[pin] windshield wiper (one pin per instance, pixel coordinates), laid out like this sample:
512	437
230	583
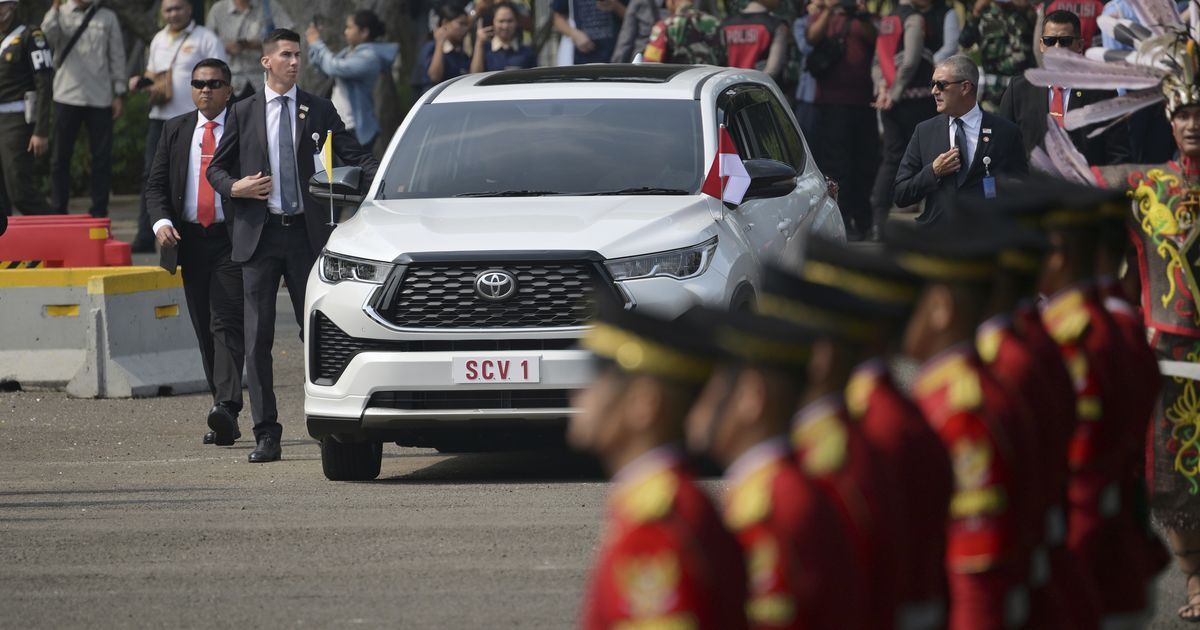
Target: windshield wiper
641	190
508	193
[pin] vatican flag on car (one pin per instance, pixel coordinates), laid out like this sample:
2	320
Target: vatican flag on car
727	178
325	157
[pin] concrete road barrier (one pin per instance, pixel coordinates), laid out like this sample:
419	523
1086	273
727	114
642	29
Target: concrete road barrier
98	332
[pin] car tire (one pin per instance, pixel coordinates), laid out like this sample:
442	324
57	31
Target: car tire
350	461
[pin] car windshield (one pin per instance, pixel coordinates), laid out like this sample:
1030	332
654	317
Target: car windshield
543	147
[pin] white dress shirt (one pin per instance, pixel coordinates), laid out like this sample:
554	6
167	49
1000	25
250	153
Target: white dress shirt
192	188
273	106
972	121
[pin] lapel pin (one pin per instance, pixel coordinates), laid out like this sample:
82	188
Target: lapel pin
986	138
987	130
316	138
1078	93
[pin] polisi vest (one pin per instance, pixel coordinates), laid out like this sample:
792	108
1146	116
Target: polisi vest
748	39
890	43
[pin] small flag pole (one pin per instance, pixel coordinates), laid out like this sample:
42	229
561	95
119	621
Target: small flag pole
721	162
328	160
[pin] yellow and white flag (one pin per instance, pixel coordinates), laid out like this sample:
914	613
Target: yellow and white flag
324	159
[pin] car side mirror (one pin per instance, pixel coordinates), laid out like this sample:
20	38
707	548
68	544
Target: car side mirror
769	179
345	189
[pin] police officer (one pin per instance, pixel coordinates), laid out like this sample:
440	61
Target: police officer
667	560
26	78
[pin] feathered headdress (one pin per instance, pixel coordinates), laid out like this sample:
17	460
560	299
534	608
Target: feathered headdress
1161	67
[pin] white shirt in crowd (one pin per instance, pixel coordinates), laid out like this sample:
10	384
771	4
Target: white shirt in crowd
194	43
273	107
192	189
972	121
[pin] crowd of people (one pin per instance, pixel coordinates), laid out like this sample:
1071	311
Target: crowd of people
1004	491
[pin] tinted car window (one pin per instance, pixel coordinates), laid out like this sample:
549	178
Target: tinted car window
564	147
760	127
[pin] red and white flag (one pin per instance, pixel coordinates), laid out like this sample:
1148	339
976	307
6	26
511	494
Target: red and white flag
727	178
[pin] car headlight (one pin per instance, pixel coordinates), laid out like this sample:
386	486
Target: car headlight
336	268
680	264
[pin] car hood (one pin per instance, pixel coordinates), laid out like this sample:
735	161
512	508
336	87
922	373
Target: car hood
612	226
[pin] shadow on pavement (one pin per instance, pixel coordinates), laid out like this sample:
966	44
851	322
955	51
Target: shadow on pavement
539	466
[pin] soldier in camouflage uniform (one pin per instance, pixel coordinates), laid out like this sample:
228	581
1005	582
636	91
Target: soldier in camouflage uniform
1004	33
689	36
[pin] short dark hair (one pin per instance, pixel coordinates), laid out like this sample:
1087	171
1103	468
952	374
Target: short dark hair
280	35
1063	16
213	62
366	20
505	4
448	12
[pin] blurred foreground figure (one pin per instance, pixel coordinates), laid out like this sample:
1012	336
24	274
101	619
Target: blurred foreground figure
666	559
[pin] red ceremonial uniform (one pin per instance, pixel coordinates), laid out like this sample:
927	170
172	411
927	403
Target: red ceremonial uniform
1053	577
986	548
667	560
799	558
896	429
1102	529
834	451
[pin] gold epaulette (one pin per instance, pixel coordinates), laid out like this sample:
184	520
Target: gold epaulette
648	499
822	442
750	501
987	343
963	390
1067	318
858	393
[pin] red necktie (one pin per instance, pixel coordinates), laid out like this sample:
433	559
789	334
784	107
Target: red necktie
1056	104
206	208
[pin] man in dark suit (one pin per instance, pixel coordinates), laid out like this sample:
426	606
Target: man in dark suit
1027	105
192	229
960	150
261	169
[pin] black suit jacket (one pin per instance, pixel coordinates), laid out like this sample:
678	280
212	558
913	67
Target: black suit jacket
167	182
998	139
243	151
1027	106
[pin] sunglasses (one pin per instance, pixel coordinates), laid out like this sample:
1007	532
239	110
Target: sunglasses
212	84
1064	40
942	85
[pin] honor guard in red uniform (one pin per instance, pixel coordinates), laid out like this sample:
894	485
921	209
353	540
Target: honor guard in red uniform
830	445
666	560
1043	389
992	512
799	557
1104	529
892	423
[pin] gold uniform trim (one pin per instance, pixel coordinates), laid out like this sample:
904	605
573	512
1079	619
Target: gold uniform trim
861	285
946	269
637	354
1017	260
803	314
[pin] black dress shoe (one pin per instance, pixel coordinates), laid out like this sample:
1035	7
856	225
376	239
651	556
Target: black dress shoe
267	451
223	422
211	437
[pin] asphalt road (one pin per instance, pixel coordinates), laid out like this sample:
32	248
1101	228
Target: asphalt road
113	514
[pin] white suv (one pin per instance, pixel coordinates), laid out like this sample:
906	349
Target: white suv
446	312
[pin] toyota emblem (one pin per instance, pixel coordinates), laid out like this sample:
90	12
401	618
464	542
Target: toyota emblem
495	285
